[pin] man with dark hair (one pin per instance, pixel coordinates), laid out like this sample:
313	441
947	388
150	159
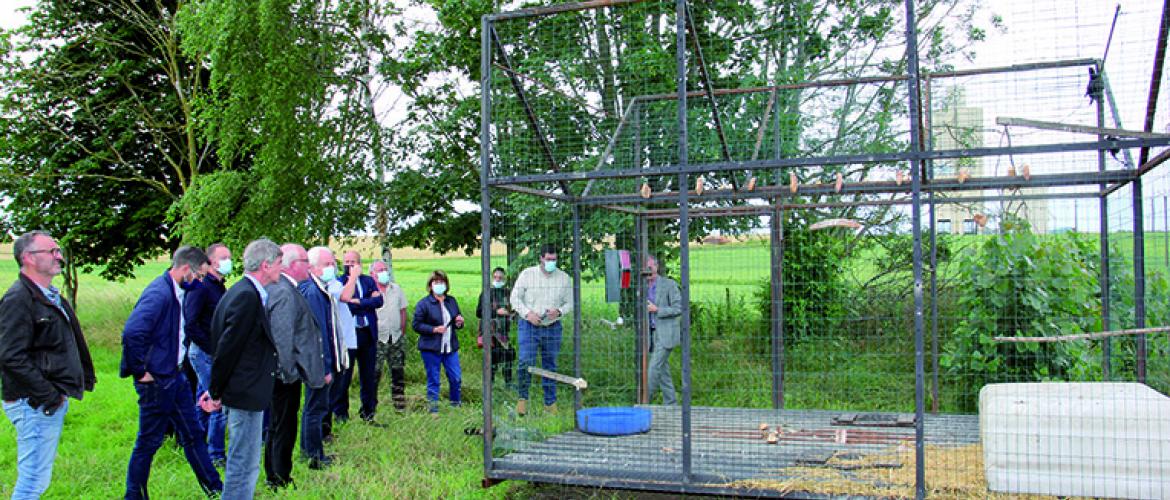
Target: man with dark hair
44	360
245	363
198	307
664	303
500	323
152	353
542	295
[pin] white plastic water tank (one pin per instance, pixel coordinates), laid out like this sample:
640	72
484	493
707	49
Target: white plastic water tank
1100	439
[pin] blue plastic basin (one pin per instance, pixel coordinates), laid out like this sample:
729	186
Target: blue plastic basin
613	420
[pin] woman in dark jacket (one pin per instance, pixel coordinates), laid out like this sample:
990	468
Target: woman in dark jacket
503	354
436	317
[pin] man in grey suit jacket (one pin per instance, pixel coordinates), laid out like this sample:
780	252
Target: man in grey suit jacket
665	307
299	358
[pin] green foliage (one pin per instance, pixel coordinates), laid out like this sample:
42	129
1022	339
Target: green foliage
1019	284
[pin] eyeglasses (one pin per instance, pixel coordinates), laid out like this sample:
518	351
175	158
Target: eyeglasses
54	251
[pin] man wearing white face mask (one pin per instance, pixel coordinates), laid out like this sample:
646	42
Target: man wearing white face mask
391	320
542	295
315	289
198	307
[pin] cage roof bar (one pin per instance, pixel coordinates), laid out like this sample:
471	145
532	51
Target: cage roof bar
877	187
709	91
1075	128
1145	167
557	9
700	168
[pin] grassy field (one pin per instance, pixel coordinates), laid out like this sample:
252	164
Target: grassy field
420	457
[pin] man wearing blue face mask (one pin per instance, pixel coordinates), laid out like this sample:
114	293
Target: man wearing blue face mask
391	321
542	295
198	307
152	354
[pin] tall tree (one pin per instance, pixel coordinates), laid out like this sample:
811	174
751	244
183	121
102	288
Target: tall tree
97	145
289	113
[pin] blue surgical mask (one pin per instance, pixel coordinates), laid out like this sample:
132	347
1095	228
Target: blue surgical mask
329	274
439	288
497	284
383	277
225	267
550	266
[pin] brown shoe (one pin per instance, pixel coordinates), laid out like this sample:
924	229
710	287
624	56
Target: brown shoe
522	407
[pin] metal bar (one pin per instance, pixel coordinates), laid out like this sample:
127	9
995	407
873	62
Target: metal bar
612	142
535	192
766	211
1139	278
929	140
1085	336
835	160
1156	77
558	9
1144	168
485	144
518	87
916	229
879	187
684	238
642	339
1103	237
1113	107
576	303
709	89
1075	128
842	82
776	228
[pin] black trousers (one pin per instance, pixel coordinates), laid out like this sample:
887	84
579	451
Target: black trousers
282	433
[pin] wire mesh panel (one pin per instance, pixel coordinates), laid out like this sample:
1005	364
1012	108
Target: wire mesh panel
779	249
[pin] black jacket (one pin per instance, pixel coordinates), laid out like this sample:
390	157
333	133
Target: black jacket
243	371
42	351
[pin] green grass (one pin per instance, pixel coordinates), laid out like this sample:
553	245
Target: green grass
420	457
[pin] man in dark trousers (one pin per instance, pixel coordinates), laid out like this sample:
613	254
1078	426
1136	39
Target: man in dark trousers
243	371
298	351
152	353
198	307
322	270
364	305
43	360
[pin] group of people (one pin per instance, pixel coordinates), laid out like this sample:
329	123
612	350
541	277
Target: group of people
291	325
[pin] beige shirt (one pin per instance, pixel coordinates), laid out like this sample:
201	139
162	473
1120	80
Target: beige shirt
538	292
390	314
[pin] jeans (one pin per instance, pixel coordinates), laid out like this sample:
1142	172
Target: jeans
312	417
450	363
243	464
216	422
548	340
37	436
367	362
161	402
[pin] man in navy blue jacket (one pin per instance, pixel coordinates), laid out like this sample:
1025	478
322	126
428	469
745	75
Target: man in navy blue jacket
198	307
152	353
364	305
322	269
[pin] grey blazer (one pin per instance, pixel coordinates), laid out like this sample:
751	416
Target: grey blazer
297	336
668	298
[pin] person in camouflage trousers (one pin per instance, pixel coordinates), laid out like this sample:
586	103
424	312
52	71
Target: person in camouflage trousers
391	319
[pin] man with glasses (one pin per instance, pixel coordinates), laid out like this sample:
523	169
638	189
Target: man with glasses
44	360
152	353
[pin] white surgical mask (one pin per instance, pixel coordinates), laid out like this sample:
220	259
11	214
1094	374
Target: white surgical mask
439	288
225	267
383	277
550	266
497	284
329	274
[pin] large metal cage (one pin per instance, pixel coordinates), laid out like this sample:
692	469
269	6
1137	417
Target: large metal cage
884	187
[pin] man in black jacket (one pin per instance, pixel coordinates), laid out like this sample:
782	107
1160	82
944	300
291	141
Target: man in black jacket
243	370
43	360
